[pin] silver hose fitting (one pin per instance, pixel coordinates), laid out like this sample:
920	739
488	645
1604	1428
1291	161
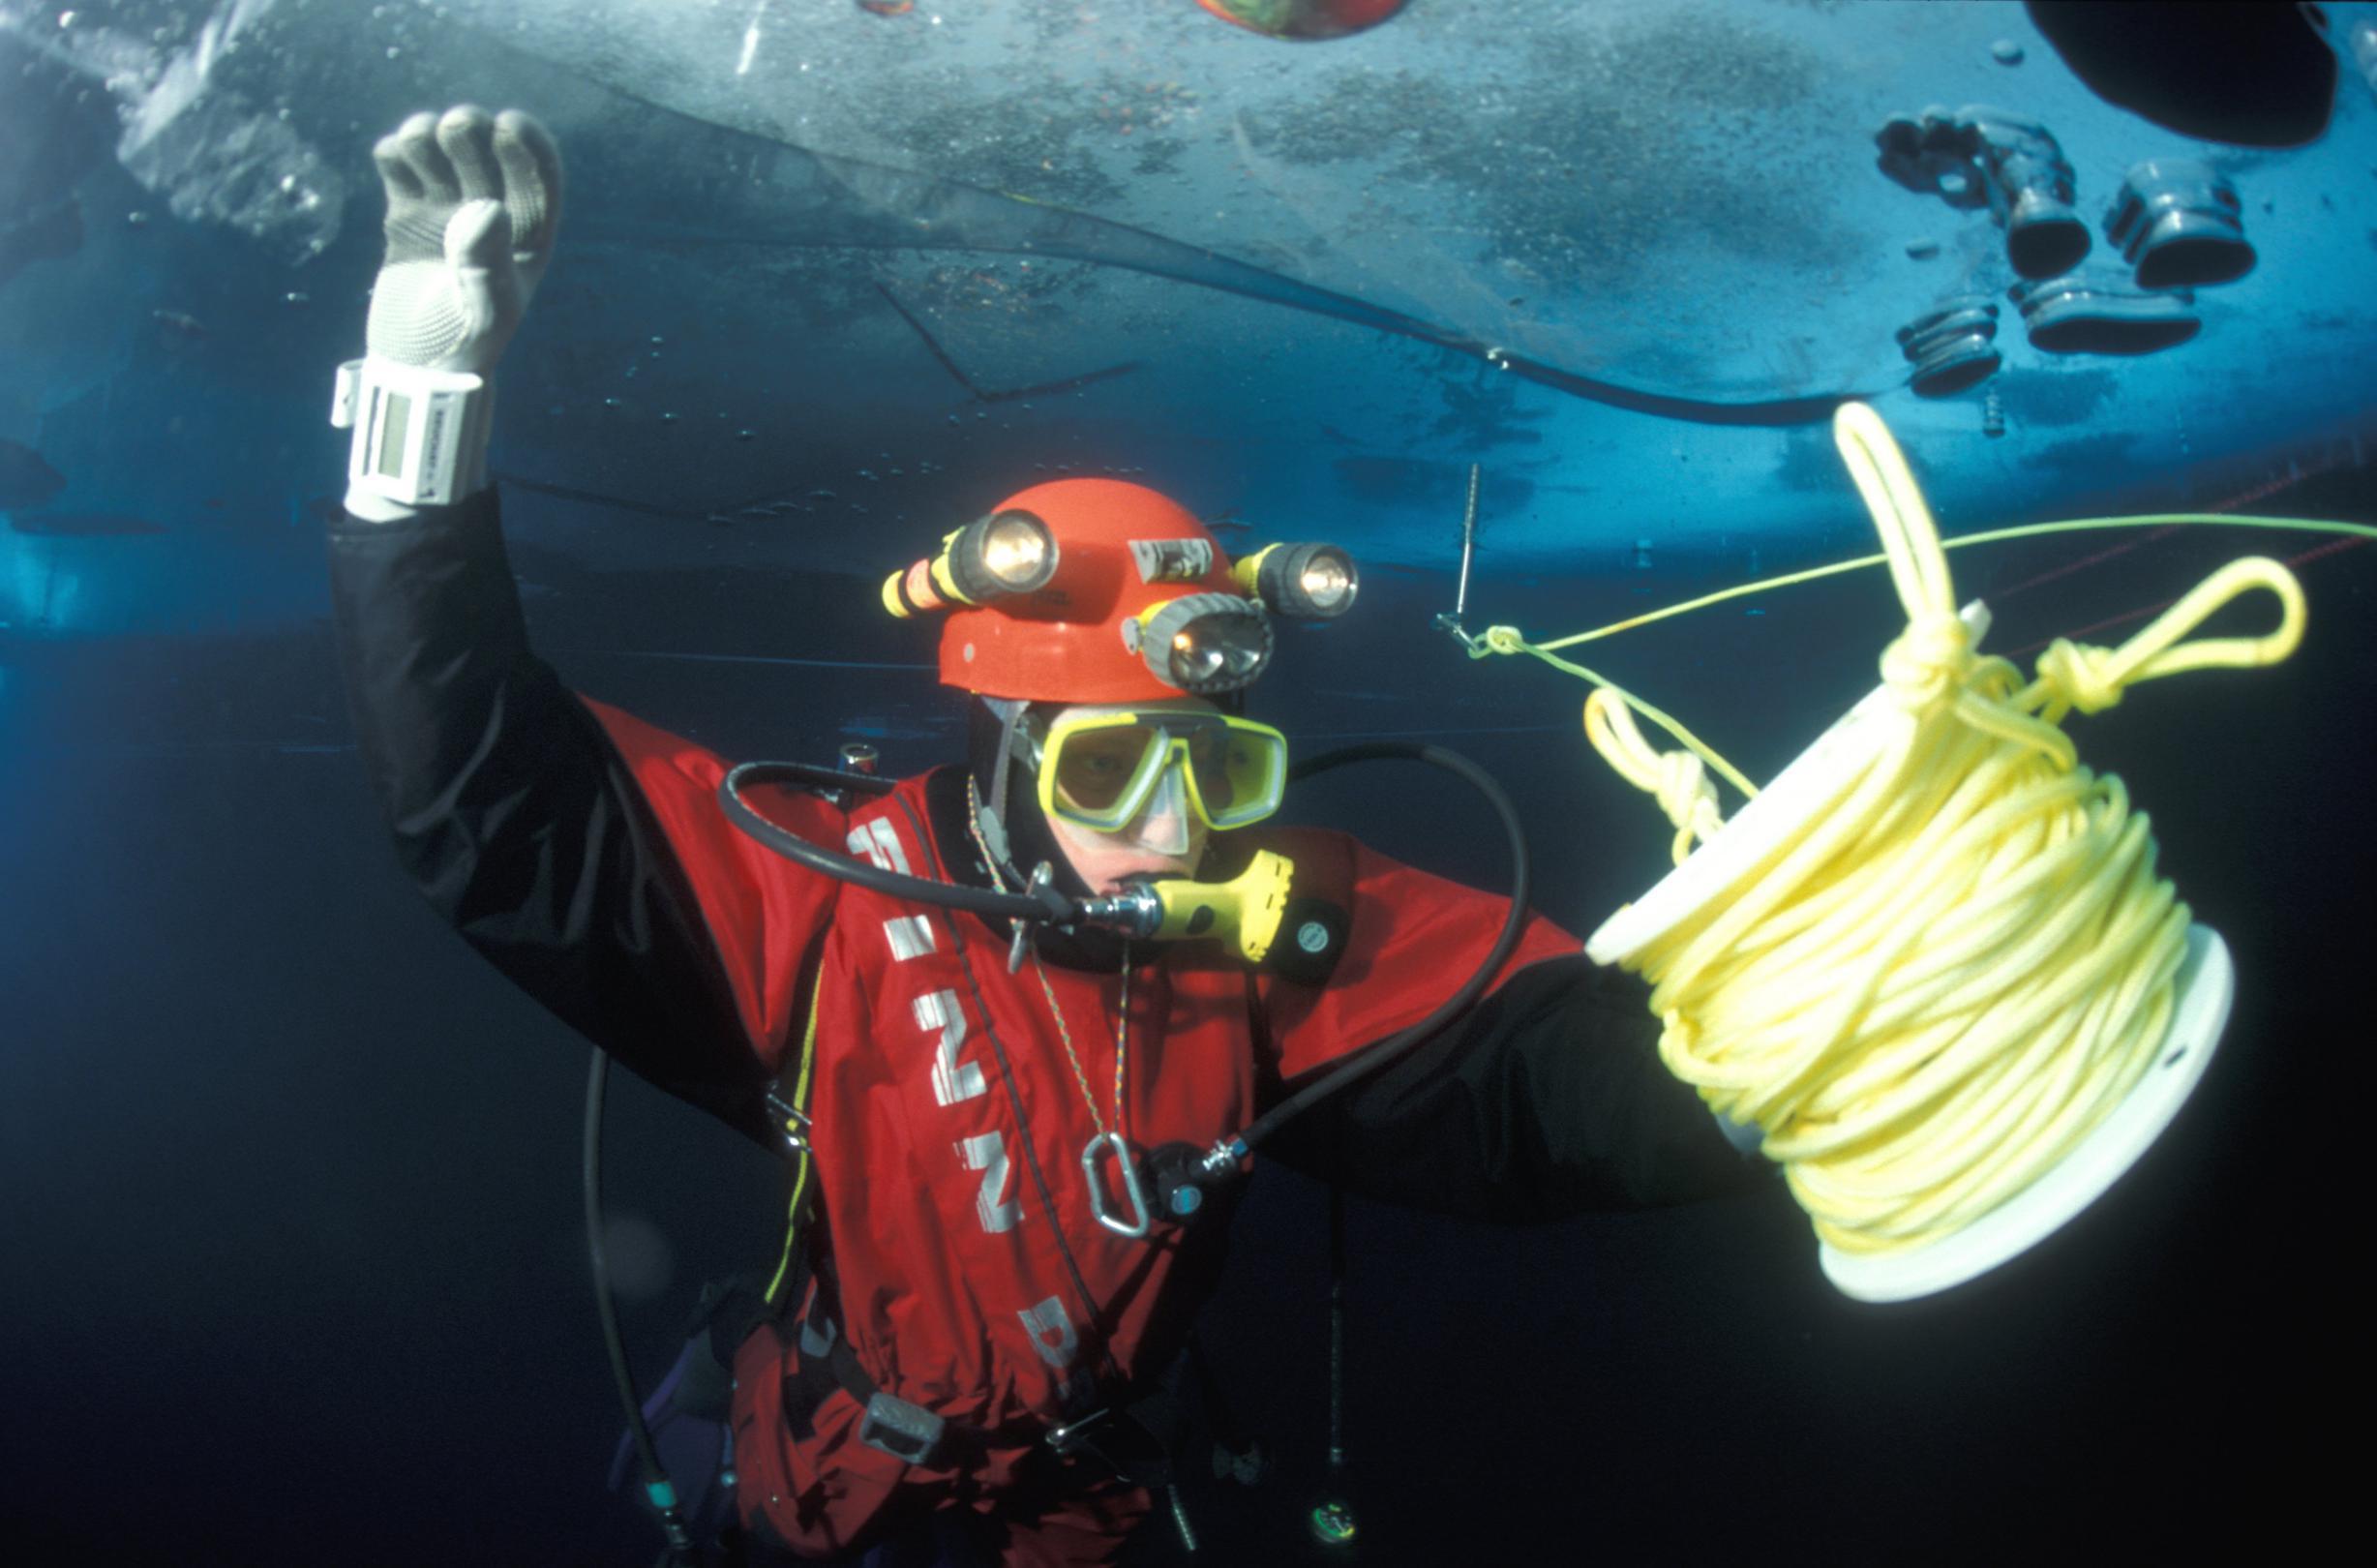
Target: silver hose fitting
1134	911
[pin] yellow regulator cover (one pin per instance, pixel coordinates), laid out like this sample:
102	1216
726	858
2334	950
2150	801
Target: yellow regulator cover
1248	908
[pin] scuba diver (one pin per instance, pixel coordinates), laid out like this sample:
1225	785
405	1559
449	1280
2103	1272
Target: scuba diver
1002	1017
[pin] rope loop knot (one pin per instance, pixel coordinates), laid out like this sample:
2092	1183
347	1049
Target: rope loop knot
1678	780
1929	662
2081	677
1503	640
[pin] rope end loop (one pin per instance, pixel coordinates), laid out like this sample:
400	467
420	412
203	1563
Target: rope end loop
1678	780
2092	680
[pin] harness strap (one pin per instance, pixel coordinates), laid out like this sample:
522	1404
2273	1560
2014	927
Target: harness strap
1133	1436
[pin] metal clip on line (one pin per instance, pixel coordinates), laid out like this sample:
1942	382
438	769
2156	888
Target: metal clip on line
792	1123
1135	1227
1043	875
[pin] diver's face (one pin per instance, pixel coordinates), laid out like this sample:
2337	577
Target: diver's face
1166	840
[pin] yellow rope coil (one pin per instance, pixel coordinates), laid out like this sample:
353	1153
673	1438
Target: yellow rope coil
1939	980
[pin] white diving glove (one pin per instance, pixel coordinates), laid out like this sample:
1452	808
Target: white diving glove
473	204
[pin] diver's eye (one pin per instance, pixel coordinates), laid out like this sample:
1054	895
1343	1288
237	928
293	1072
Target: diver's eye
1091	771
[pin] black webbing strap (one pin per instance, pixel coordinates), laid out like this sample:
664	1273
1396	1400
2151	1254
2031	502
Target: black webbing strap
1132	1436
900	1427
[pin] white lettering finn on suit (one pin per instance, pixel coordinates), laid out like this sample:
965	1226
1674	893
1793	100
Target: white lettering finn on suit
940	1015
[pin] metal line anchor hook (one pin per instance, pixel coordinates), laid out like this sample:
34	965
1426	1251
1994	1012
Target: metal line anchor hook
1450	624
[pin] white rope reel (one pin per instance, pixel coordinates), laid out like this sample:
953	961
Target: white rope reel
1931	961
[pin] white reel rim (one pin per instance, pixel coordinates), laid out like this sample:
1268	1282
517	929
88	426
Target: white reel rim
2205	989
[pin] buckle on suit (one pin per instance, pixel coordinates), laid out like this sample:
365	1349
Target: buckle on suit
905	1430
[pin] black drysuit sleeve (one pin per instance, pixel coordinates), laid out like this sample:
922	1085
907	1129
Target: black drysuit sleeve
515	815
1547	1100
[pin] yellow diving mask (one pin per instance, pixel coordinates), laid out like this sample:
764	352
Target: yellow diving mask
1102	767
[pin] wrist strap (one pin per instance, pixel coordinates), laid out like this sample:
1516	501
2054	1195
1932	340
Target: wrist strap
420	435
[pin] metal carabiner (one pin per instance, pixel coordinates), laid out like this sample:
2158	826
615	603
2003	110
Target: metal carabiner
792	1123
1043	875
1137	1228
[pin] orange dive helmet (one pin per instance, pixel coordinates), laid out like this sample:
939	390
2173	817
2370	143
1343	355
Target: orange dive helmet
1097	590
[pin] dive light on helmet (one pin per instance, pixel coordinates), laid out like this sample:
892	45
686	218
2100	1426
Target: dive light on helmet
1302	581
1010	552
1202	643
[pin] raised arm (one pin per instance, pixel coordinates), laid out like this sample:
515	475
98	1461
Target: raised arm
514	807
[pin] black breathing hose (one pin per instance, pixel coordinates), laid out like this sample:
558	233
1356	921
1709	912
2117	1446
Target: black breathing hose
1048	905
657	1487
1507	942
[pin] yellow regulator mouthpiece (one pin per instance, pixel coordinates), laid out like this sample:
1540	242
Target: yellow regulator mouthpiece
1245	911
1932	962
